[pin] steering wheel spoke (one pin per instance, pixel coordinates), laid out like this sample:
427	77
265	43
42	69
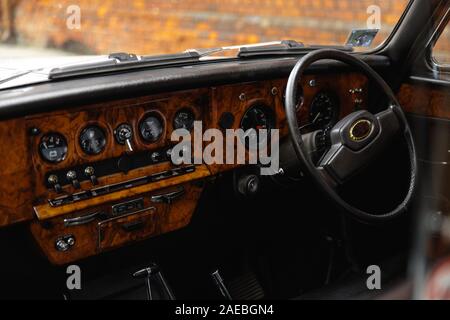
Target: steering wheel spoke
357	140
340	163
329	179
389	121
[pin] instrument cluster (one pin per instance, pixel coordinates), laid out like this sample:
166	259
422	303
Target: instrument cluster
93	139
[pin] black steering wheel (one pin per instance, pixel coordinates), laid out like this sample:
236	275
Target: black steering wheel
355	140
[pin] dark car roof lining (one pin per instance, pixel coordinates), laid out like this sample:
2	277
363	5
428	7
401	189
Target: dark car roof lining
65	94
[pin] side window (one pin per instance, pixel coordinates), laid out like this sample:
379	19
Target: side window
441	51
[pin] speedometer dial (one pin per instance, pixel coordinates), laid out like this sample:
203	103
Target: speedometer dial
324	111
53	148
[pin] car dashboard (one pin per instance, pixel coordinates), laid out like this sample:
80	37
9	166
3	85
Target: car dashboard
101	174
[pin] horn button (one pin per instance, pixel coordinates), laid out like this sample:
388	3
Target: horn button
356	131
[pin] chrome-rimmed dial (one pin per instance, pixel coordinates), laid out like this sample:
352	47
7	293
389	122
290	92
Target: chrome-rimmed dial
92	140
184	119
324	111
151	128
53	147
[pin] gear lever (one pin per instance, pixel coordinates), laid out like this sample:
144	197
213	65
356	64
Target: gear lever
148	273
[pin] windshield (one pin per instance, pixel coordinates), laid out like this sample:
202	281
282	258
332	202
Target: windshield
85	27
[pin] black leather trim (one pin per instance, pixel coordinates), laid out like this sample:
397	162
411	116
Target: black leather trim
82	91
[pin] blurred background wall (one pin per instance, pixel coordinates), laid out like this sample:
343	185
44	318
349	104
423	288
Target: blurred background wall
165	26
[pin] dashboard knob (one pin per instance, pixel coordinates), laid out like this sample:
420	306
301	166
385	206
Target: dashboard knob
90	173
169	154
65	243
248	185
62	245
72	177
124	164
54	181
125	133
124	136
71	241
155	156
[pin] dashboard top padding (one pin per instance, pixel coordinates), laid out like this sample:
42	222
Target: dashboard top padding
65	94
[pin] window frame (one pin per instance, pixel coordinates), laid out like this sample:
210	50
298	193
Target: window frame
432	62
394	31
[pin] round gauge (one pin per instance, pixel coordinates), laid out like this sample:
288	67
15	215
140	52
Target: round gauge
151	128
93	140
258	118
184	119
53	147
324	111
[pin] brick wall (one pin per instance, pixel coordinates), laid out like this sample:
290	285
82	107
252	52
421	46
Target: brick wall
162	26
442	48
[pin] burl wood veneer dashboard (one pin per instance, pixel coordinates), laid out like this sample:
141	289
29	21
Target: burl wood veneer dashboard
98	177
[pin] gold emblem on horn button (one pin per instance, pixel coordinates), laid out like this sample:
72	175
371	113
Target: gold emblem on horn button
361	129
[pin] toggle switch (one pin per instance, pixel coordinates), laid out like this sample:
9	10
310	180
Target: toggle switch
72	177
124	136
169	153
54	181
90	173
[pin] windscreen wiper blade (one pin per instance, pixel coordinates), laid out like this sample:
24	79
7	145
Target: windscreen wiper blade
265	49
285	49
123	61
15	76
277	46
